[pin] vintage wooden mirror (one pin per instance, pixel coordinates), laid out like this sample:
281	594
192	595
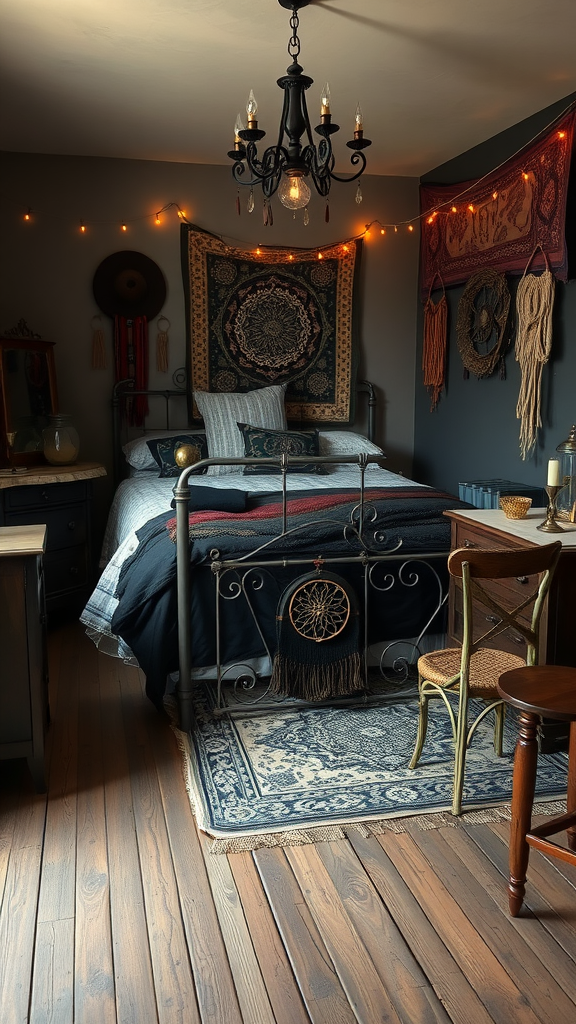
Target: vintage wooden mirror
28	395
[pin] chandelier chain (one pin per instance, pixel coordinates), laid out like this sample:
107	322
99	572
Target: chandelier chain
294	41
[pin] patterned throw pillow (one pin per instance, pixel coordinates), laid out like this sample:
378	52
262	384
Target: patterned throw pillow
163	450
265	444
222	411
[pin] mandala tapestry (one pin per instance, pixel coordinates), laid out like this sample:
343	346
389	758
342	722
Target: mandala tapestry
273	316
498	221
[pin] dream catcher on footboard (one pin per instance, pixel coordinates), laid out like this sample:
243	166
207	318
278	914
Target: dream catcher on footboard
318	636
482	324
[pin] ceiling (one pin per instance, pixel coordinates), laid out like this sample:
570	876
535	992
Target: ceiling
164	79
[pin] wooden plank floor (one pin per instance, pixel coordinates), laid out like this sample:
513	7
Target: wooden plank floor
113	910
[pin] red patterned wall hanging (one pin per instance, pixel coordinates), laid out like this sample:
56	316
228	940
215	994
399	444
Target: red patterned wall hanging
498	221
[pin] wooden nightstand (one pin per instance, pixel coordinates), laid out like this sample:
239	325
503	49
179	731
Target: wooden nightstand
24	677
60	497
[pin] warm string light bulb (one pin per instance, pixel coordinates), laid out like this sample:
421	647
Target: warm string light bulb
123	227
82	228
28	215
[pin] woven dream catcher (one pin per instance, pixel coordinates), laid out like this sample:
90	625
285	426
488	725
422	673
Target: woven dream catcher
318	654
482	323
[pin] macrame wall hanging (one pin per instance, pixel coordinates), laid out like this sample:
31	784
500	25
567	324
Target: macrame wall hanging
534	305
163	325
482	323
434	347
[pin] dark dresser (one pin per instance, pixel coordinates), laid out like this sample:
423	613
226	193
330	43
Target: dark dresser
61	498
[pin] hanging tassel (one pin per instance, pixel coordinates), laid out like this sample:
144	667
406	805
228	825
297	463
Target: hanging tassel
270	215
327	212
265	213
250	203
238	202
162	345
98	347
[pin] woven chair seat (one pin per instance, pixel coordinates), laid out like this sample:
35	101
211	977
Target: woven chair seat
486	666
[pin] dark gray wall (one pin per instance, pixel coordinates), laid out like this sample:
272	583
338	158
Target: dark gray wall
47	266
473	433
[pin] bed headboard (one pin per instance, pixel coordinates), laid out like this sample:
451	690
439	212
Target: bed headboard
168	410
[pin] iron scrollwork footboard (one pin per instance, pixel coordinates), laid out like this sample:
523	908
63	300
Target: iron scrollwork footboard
251	578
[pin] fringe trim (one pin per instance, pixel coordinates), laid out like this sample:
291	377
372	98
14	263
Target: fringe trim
332	833
317	681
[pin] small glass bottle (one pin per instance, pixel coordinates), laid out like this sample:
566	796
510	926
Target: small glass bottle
61	441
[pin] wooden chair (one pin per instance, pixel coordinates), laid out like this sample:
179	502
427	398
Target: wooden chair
459	673
538	691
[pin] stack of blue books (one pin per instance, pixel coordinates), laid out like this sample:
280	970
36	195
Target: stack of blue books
486	493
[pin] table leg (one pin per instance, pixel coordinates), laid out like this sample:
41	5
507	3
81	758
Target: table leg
523	787
571	796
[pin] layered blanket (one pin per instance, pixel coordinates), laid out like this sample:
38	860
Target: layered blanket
319	525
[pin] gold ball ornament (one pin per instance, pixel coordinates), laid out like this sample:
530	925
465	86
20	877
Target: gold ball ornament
187	455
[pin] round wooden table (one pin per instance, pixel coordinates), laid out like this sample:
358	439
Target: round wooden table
538	691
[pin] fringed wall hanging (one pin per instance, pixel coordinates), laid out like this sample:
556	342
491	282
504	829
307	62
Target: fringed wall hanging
434	346
98	346
129	287
318	634
163	325
534	305
482	323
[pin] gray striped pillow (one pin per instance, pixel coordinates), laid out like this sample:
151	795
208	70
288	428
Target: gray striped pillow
222	411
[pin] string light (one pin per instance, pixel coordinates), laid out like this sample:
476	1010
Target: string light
28	214
82	228
124	227
158	221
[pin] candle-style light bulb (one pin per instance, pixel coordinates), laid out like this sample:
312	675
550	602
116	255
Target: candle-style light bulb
238	127
325	101
251	109
358	120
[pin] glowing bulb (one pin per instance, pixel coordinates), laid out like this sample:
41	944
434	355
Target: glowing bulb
430	220
158	218
28	214
358	120
494	195
82	226
346	248
258	251
290	257
561	135
251	109
294	193
524	175
410	227
454	209
382	231
124	228
320	256
325	101
471	208
395	229
181	214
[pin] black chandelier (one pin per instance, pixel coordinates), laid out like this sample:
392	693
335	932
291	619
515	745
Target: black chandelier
286	166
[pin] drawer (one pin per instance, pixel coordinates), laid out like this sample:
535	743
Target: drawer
64	526
472	536
65	570
38	496
510	640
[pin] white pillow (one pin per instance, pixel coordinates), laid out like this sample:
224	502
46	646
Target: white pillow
223	411
346	442
138	454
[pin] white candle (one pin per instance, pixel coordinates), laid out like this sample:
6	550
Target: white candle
553	473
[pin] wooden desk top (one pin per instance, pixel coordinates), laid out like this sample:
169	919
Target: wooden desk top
22	540
524	529
45	474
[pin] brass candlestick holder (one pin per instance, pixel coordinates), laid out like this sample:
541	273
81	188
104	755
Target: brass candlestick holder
550	525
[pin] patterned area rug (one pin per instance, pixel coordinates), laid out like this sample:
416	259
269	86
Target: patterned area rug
304	775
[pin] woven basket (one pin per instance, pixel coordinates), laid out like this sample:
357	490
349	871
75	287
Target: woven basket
515	506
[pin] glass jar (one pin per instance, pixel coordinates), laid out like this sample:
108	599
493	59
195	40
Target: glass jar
566	500
61	441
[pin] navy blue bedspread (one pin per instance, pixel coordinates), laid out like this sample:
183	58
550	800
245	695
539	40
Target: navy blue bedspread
146	617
